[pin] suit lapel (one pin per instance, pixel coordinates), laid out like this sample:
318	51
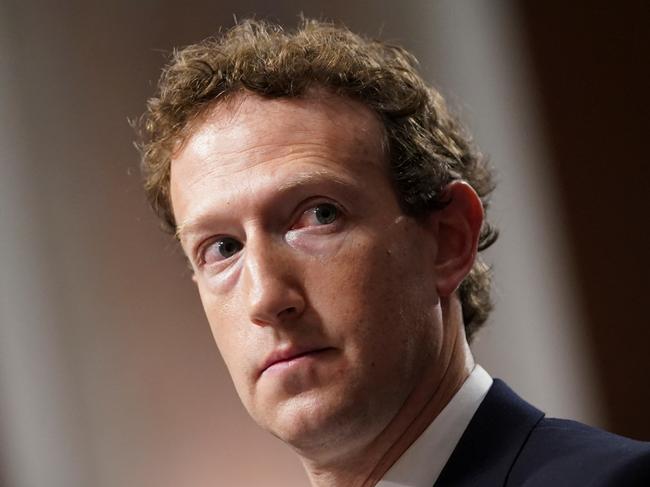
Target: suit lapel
492	441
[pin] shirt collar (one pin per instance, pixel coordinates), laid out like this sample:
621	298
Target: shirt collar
421	464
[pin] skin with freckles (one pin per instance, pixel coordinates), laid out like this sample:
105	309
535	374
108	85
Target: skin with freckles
335	313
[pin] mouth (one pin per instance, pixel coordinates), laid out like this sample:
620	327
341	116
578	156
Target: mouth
286	358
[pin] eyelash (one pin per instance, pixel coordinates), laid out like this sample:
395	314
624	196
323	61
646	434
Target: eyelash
311	207
203	248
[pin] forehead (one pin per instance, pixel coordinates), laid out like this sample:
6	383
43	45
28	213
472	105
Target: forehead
248	124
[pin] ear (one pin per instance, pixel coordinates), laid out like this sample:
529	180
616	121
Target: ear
457	227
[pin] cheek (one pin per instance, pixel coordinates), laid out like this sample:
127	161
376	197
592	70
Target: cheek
232	340
378	292
366	285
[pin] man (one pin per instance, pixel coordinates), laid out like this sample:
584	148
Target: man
332	210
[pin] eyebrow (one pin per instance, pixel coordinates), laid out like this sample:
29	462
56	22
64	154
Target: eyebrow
298	181
312	178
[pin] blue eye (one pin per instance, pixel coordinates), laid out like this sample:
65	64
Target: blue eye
320	215
221	249
326	213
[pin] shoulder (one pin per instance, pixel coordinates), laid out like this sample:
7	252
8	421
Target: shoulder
511	443
562	452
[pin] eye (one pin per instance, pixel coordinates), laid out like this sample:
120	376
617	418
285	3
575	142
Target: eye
319	215
326	213
221	249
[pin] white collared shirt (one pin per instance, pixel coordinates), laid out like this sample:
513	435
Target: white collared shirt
420	465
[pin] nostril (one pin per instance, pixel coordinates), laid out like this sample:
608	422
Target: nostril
289	311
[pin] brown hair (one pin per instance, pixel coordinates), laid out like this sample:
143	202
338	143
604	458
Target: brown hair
428	147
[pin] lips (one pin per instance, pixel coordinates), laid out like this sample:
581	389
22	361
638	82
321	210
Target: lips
288	354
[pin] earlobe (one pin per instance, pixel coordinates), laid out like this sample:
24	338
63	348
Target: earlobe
458	226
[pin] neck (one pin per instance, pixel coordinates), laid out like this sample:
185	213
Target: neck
445	374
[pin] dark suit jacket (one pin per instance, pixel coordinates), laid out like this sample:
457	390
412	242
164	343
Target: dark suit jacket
511	443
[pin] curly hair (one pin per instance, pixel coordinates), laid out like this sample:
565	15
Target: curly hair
428	147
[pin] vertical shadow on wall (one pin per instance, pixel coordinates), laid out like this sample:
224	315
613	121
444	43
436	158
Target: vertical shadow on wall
590	64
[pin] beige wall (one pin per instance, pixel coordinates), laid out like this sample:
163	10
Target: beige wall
108	374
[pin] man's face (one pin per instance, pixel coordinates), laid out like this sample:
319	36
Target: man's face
320	293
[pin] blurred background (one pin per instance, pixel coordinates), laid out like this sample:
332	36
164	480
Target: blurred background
108	373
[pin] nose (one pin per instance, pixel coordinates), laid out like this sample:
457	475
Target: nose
271	284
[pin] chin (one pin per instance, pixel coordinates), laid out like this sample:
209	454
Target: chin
317	425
